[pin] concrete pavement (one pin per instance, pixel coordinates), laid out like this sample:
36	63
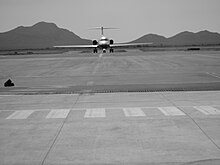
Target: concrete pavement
117	128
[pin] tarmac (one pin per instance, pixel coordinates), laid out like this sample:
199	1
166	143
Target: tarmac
164	128
129	71
117	128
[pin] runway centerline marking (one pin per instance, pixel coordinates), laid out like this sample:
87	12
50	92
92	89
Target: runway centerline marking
98	64
55	114
207	110
171	111
135	112
100	55
20	114
95	112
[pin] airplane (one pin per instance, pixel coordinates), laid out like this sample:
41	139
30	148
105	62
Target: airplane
104	43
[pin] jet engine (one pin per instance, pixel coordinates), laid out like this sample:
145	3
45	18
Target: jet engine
94	42
111	42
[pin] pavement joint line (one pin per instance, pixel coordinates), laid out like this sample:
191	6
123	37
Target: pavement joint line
29	110
213	142
193	120
82	109
148	93
57	134
54	114
171	111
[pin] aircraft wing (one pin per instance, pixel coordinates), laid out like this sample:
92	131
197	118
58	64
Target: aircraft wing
76	46
130	45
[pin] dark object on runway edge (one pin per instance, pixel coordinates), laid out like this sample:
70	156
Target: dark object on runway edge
191	49
9	83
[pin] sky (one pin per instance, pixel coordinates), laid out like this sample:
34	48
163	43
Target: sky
134	18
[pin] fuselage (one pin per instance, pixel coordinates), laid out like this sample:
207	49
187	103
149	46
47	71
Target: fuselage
103	43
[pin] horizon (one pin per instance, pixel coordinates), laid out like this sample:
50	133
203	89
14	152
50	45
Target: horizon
134	18
100	35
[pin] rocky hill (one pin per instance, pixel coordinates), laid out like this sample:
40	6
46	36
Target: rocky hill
183	38
40	35
46	35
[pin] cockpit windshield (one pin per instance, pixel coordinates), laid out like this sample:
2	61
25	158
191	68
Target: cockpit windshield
103	39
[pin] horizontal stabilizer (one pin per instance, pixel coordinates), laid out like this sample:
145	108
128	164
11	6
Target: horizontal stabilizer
102	29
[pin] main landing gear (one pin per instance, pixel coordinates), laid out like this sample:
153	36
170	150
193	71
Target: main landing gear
111	50
95	51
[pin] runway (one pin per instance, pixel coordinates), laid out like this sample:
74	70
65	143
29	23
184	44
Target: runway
80	108
132	71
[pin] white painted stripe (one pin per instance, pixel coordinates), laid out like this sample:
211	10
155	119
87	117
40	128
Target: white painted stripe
58	113
95	112
20	114
207	110
171	111
133	112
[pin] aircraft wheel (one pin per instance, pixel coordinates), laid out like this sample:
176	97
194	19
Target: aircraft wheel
95	51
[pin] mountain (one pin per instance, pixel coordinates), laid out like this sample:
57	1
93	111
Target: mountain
46	35
40	35
200	38
183	38
151	38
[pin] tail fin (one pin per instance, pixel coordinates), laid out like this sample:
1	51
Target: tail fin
102	29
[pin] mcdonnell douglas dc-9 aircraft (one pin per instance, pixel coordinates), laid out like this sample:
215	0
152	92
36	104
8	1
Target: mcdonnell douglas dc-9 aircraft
103	43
